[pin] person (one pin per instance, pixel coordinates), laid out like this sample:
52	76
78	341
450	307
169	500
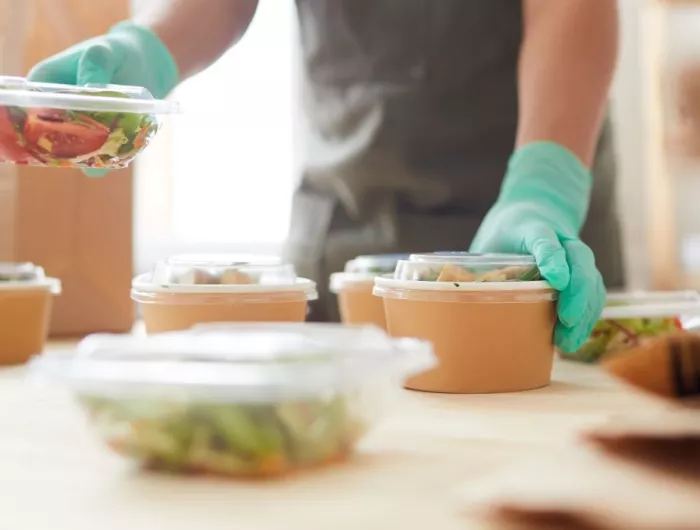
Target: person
433	124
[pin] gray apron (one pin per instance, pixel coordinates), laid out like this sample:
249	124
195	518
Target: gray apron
412	107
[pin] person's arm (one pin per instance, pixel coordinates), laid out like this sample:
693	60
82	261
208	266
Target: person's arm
567	62
198	32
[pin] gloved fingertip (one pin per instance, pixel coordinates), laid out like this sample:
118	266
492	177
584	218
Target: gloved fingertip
95	172
567	339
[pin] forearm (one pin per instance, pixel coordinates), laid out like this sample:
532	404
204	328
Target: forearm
198	32
567	62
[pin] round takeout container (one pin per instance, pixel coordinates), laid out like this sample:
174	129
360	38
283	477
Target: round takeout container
92	126
490	319
186	290
353	286
241	400
26	301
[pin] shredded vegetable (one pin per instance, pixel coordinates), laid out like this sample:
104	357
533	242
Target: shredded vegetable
248	440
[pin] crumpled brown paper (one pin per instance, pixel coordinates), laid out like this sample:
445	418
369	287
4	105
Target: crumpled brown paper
587	489
636	472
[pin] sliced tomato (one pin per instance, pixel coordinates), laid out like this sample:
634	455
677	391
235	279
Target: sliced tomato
10	148
678	323
53	132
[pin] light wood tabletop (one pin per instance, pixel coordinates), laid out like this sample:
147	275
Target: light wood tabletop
54	472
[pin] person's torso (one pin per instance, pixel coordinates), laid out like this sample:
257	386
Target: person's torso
410	97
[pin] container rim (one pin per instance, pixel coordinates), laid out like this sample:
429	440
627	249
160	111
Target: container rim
386	283
18	93
53	285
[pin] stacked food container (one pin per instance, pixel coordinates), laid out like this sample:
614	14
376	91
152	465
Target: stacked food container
356	302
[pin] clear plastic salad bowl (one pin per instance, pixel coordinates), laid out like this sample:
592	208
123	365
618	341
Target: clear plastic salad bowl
244	400
53	125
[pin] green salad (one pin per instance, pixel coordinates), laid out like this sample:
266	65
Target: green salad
247	440
72	138
456	273
613	335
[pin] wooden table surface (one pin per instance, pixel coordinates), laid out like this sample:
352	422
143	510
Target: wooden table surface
54	473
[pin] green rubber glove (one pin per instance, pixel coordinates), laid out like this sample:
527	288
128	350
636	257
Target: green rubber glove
127	55
540	211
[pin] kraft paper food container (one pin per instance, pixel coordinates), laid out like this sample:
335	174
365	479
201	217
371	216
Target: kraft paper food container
490	319
255	400
26	301
631	319
93	126
186	290
353	286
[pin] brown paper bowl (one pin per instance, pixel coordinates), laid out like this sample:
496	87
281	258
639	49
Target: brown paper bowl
25	313
168	309
489	337
356	302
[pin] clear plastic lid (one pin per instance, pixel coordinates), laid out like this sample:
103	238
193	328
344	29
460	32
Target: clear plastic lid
451	267
216	272
238	362
23	275
19	92
377	264
658	304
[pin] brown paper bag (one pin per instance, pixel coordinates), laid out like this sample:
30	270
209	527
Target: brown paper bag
79	229
667	367
583	488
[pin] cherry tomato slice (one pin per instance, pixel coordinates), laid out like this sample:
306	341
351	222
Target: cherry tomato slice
10	148
52	132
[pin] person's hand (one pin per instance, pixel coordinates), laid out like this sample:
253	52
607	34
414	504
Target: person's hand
127	55
540	211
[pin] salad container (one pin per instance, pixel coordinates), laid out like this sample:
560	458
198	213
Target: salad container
631	319
353	286
92	126
255	400
490	318
190	289
26	300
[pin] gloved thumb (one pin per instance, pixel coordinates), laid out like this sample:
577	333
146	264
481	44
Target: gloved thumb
543	244
97	65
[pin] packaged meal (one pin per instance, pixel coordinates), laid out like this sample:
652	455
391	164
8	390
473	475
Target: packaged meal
185	290
255	400
629	320
468	267
489	317
26	302
92	126
353	287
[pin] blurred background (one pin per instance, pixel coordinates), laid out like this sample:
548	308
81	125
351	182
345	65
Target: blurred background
239	107
221	174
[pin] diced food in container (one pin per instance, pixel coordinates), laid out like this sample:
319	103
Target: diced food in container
26	301
490	318
629	320
190	289
243	400
93	126
353	286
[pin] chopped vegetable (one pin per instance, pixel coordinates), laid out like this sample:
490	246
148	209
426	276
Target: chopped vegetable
455	273
613	335
250	440
230	276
